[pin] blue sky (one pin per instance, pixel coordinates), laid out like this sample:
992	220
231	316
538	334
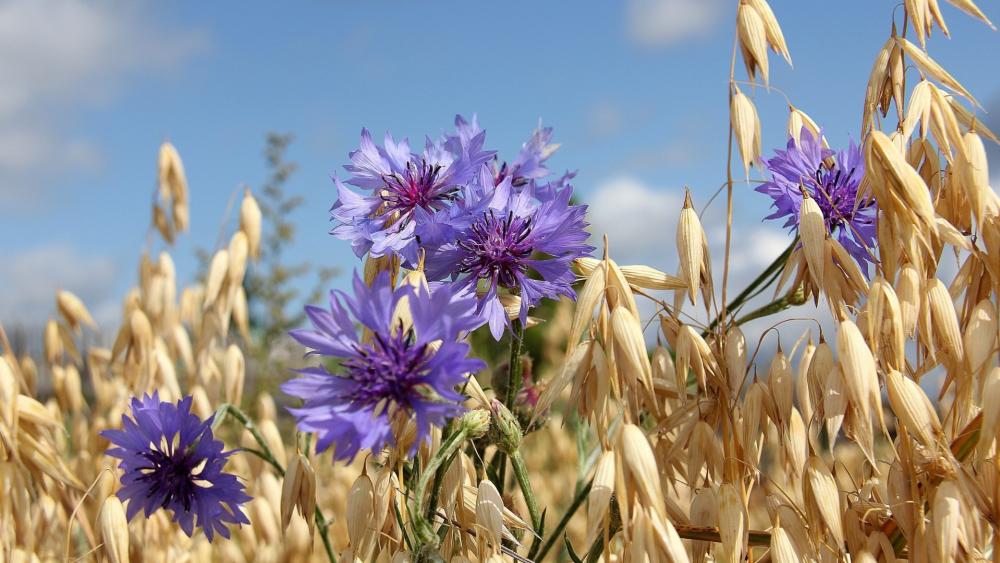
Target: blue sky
636	91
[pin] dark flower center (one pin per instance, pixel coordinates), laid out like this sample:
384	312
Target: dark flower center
420	185
496	248
835	193
171	474
388	369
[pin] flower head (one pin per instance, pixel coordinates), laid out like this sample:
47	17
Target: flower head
405	190
832	180
406	370
520	241
171	460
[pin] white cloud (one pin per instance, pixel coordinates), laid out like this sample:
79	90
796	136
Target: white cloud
641	224
660	23
32	277
58	57
640	221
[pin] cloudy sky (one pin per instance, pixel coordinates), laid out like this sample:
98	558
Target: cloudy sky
636	91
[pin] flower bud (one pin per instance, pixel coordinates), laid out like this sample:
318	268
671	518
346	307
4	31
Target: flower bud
476	423
505	431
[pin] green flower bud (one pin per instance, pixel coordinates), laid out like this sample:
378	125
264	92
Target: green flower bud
475	423
505	431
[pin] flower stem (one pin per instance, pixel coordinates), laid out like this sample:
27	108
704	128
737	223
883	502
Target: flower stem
514	373
267	455
581	496
438	479
521	473
748	292
514	380
449	447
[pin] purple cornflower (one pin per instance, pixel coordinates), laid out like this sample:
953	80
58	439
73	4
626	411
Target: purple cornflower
406	190
520	241
832	180
530	161
171	460
401	372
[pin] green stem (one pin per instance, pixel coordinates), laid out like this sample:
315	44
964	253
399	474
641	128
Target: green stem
581	496
747	292
448	448
267	455
438	480
514	374
771	308
521	473
514	380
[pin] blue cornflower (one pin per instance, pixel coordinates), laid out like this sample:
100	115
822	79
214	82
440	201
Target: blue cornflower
405	190
530	161
832	180
401	372
171	460
521	241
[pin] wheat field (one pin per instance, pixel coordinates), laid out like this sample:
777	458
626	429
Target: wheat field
493	387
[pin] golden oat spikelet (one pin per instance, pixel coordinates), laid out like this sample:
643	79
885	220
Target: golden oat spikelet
646	277
298	492
822	499
114	530
812	231
877	80
360	511
73	310
919	11
689	247
218	270
782	549
752	34
945	321
250	223
973	170
238	251
640	462
733	529
599	498
970	7
918	109
775	38
798	120
928	65
913	409
946	521
587	299
489	518
746	127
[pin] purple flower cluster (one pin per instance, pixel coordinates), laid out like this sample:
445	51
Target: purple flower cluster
487	226
171	460
484	228
832	179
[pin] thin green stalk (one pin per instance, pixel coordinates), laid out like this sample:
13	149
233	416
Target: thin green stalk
439	479
514	380
514	375
581	496
448	448
771	308
521	473
267	455
744	295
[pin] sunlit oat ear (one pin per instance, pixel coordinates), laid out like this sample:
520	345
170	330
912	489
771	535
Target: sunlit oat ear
746	126
689	248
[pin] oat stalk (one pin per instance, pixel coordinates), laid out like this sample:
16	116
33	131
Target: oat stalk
265	453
